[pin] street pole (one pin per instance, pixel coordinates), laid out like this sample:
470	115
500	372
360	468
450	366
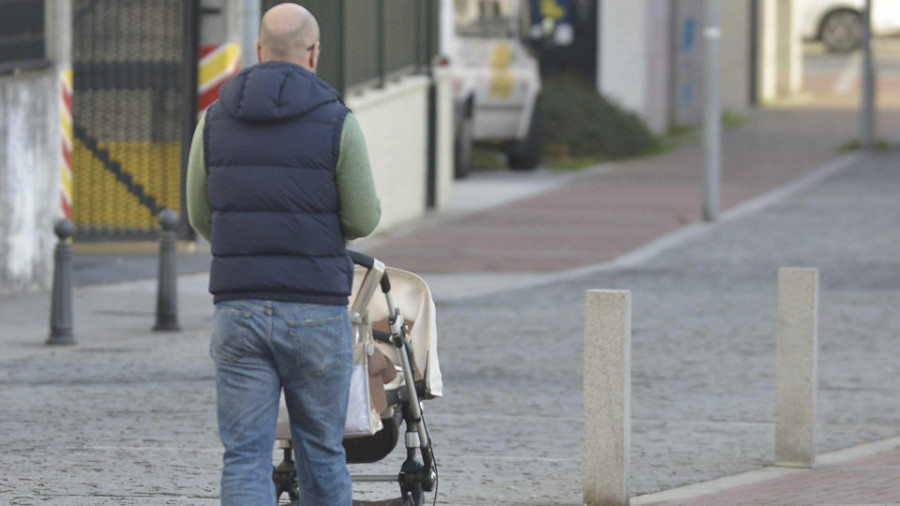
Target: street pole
867	111
249	32
712	123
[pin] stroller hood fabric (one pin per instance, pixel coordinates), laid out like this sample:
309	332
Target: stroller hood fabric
413	298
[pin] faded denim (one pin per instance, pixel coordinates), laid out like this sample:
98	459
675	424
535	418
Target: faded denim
260	347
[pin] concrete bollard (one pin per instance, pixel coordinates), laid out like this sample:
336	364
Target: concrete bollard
167	276
61	296
795	366
607	397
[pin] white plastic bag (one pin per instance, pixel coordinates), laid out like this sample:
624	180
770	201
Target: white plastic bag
362	419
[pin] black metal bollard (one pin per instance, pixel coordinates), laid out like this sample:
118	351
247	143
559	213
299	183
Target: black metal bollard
61	297
167	278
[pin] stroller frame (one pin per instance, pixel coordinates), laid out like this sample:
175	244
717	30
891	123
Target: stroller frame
416	476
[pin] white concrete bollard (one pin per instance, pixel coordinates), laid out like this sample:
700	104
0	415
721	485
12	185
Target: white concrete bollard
607	397
795	367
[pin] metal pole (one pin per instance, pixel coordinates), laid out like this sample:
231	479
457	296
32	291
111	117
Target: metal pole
712	126
867	111
426	27
342	47
420	44
61	297
167	276
380	23
250	32
190	55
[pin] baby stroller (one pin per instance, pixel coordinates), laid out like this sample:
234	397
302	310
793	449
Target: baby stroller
397	334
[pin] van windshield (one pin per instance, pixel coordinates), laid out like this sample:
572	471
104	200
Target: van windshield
484	18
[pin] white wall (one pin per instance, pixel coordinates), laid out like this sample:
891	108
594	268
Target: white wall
651	58
29	179
659	65
394	121
623	53
687	85
30	161
780	65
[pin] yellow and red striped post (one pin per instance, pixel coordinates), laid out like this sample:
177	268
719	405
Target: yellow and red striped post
65	114
217	64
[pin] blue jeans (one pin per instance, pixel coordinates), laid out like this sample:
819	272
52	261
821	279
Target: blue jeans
260	347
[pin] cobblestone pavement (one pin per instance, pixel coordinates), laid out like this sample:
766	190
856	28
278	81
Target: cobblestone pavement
127	416
703	349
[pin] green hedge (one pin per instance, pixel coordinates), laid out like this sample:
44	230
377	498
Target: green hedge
579	122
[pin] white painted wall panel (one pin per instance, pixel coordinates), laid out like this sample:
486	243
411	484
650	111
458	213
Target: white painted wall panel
29	182
623	53
395	123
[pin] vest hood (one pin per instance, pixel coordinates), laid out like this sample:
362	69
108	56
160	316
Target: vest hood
274	91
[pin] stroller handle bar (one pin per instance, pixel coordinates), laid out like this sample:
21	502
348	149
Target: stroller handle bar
369	262
422	475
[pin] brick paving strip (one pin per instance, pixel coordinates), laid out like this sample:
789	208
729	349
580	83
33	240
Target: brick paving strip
604	214
870	480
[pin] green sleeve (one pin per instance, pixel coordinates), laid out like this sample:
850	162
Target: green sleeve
360	207
199	211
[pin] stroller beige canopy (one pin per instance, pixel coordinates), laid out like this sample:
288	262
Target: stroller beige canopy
413	298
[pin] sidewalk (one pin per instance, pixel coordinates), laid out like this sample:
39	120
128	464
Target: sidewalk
840	478
604	213
128	415
703	350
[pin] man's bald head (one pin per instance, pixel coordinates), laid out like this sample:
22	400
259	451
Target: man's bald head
290	33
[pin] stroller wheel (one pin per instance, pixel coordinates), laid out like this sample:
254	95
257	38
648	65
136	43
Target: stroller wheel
292	493
414	497
285	477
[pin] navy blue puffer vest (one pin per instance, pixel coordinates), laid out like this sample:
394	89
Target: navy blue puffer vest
271	144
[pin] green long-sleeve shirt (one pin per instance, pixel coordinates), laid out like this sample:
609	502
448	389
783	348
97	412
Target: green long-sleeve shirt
360	207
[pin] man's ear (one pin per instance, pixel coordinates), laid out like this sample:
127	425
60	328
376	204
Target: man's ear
314	56
258	51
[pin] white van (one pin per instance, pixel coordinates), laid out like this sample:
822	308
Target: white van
496	83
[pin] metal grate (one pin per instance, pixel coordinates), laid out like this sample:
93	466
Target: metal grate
21	34
401	46
129	71
366	42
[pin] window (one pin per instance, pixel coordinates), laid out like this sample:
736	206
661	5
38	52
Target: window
485	19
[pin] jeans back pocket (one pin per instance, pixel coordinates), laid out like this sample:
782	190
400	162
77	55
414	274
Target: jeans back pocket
322	344
230	336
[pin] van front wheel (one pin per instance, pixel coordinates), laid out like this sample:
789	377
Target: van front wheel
526	153
462	147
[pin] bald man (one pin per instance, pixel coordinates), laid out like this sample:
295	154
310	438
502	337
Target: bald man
278	180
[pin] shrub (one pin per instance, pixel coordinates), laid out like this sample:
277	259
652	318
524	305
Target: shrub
579	122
